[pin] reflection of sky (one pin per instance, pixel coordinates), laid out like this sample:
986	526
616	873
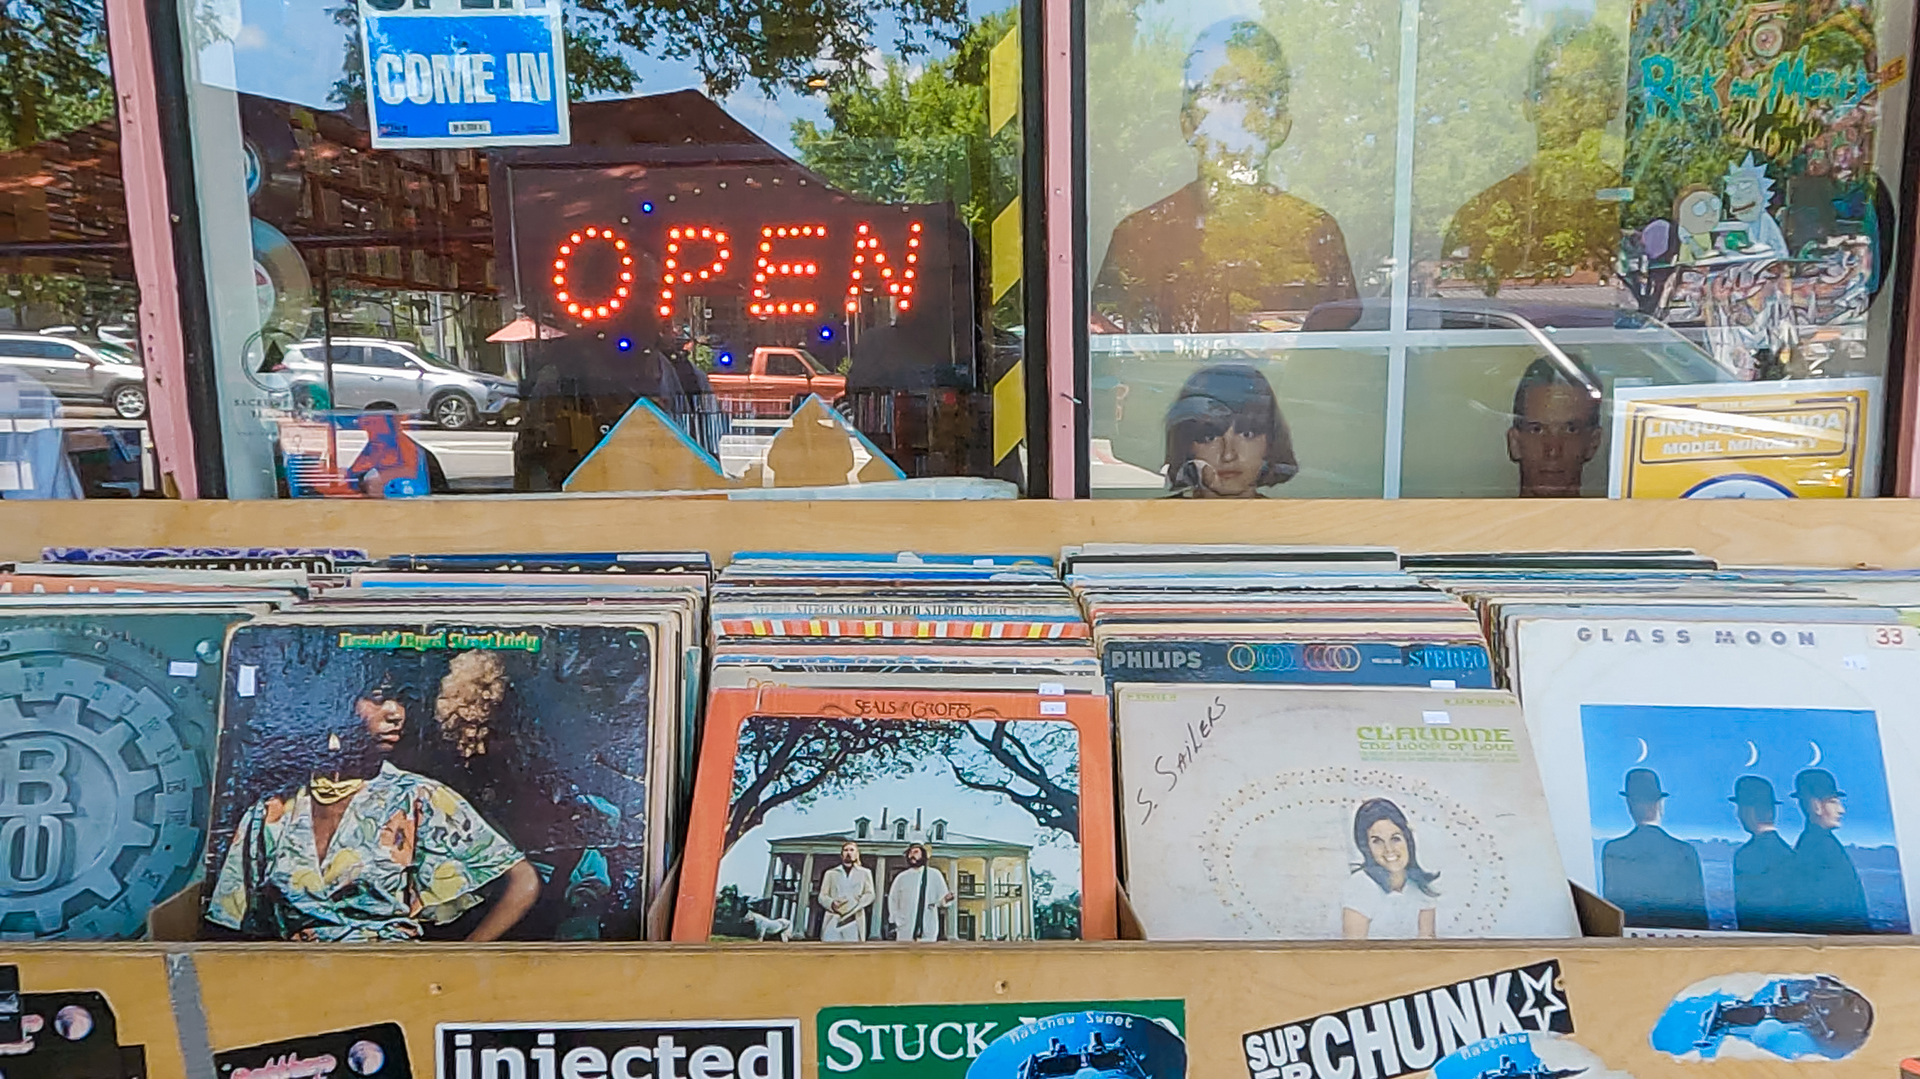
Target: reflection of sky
932	794
292	50
1699	752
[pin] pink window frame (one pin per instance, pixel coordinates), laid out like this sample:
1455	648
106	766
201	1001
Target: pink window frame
149	218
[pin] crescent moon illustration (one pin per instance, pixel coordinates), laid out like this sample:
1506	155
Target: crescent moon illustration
1816	754
1753	754
1643	751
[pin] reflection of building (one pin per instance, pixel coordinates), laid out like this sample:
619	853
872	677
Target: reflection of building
63	231
991	881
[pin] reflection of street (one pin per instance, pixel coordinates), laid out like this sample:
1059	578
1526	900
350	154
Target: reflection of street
482	460
79	420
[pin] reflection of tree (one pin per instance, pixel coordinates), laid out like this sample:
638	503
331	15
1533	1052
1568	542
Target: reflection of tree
1545	221
782	761
86	301
53	69
795	46
914	133
1044	757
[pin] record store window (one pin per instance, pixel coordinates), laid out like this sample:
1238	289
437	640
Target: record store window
454	246
73	392
1636	248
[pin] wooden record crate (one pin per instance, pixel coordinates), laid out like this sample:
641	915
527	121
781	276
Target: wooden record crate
185	1001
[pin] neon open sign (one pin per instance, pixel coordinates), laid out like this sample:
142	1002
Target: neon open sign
787	276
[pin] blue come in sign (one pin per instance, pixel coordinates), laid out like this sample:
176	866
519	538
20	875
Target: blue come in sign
464	73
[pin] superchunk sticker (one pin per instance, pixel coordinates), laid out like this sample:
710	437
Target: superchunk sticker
1406	1034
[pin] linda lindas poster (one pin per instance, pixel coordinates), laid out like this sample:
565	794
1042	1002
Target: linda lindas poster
1725	776
1287	813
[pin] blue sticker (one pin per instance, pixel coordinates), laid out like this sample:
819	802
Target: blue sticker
442	74
1765	1017
1084	1045
1524	1056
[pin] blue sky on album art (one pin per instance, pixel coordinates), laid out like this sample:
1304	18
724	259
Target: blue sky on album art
1699	752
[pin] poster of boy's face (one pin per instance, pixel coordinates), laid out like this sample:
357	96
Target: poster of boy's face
396	781
1755	819
850	830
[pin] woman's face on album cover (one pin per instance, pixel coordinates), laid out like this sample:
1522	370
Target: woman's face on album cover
1388	845
385	717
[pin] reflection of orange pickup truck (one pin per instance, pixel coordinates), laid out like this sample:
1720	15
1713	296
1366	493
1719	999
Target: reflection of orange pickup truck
773	382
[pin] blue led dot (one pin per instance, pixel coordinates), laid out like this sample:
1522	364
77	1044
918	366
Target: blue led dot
626	343
724	359
646	207
826	333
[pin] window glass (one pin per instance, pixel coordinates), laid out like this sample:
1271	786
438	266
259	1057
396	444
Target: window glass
387	358
844	180
66	267
785	365
1635	247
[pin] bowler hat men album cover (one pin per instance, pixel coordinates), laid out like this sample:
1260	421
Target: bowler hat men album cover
480	780
899	817
1720	776
1290	813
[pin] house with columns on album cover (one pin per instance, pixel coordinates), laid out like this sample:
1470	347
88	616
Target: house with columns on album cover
990	878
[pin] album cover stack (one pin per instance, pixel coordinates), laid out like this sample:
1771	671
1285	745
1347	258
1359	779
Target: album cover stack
339	749
1311	746
903	749
1718	745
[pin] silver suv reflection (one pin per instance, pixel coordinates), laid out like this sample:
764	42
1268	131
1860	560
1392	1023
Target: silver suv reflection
380	375
80	370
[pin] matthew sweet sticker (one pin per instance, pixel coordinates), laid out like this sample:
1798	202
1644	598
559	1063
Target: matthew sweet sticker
1406	1034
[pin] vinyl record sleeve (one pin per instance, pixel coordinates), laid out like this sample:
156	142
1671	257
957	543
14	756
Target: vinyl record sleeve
464	750
107	728
1707	718
1285	813
890	720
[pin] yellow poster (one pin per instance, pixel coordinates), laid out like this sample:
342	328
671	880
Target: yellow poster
1808	438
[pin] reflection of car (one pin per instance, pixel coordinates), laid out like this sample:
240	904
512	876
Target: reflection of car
1617	343
772	382
79	369
376	374
1101	1059
1822	1007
